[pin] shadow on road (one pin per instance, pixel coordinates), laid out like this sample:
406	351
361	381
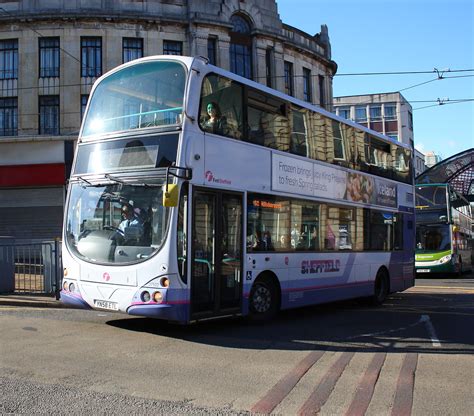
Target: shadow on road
400	325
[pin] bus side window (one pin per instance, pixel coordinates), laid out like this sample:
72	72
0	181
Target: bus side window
227	96
398	232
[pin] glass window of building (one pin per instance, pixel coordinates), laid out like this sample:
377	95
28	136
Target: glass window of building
8	116
322	92
361	114
375	112
307	85
49	114
49	57
91	56
269	67
212	50
172	47
9	59
84	99
132	48
344	112
390	111
338	140
240	46
289	78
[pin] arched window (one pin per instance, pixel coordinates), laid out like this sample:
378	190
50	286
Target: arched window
240	46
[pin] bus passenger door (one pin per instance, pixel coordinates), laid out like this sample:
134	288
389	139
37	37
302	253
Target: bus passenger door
216	252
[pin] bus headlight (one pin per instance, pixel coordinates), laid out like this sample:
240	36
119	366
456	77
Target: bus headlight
444	259
65	286
145	296
158	297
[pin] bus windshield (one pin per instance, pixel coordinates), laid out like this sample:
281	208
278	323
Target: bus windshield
144	95
115	223
433	238
431	197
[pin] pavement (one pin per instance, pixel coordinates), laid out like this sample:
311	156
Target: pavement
33	301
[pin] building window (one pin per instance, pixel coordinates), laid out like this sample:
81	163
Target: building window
212	50
240	47
322	92
49	114
375	112
289	78
8	117
269	67
390	112
307	85
392	135
84	99
9	59
410	120
132	48
91	57
344	112
171	47
339	151
49	57
361	114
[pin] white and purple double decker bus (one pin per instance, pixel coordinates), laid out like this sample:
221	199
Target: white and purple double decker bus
196	193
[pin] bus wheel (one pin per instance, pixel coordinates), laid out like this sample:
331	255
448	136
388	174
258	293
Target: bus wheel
381	287
263	299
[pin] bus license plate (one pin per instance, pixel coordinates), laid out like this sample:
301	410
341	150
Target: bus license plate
423	271
105	304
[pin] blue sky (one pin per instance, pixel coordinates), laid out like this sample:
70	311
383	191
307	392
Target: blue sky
407	36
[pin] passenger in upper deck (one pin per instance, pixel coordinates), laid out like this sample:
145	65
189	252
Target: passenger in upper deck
215	123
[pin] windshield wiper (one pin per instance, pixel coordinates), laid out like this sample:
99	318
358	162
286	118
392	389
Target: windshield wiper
84	181
114	179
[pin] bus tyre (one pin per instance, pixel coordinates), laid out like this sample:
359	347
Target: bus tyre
263	299
381	288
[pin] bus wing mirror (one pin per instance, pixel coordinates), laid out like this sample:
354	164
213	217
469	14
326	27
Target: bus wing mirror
170	195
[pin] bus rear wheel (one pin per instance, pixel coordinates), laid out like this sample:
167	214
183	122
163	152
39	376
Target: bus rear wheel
381	288
263	299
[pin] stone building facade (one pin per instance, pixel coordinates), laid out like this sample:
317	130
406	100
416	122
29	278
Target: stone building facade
52	51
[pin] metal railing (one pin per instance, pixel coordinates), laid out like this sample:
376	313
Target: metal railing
30	268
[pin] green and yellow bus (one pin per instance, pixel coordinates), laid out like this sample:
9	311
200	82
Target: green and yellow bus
444	234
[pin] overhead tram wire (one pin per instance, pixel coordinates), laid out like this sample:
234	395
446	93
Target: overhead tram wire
313	75
403	72
433	71
444	102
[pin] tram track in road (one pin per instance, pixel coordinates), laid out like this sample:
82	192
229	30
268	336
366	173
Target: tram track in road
317	382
